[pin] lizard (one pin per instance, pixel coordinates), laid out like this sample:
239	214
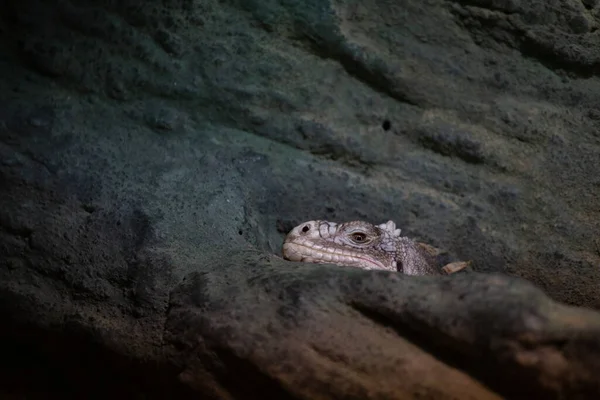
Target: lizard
363	245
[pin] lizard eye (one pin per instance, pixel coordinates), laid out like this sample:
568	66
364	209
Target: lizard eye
359	237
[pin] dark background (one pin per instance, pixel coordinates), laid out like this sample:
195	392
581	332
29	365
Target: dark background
144	142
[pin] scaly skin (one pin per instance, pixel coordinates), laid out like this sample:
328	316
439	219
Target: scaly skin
362	245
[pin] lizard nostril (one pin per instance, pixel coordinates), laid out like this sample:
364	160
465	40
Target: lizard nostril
306	228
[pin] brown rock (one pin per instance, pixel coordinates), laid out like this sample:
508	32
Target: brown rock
319	333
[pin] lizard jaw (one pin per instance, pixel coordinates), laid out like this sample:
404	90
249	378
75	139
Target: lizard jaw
324	242
306	253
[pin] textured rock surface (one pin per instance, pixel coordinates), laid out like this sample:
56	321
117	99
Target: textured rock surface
314	331
152	154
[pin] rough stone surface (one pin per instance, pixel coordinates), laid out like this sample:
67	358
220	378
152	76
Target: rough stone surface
154	154
280	332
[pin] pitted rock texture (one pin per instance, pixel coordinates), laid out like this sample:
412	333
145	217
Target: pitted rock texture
144	144
402	338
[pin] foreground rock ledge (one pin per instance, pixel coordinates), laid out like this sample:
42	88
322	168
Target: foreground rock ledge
315	332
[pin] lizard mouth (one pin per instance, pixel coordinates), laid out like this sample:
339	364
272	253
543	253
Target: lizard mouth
306	253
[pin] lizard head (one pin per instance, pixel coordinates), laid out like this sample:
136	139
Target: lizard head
354	244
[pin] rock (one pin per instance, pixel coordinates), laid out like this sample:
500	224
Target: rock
311	332
153	154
